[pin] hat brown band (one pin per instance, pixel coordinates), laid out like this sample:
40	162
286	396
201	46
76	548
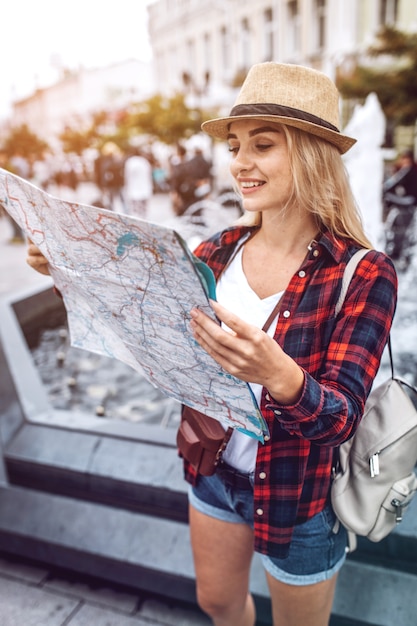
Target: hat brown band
283	111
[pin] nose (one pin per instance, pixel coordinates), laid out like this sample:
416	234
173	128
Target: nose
240	163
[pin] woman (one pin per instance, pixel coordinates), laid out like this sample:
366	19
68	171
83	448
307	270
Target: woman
310	371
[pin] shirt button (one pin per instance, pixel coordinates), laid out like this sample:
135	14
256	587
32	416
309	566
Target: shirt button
259	511
267	438
301	273
286	313
262	475
276	412
267	397
316	252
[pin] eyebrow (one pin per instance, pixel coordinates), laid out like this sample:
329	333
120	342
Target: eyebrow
256	131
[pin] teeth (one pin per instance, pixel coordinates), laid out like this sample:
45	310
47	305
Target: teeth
248	185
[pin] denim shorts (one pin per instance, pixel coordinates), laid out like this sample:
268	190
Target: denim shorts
318	547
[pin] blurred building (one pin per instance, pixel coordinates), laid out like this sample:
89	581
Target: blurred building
205	47
73	99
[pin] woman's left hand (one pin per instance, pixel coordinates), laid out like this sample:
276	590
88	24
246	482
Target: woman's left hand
36	259
248	353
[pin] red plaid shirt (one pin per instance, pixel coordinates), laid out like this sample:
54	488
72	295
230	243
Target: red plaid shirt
340	357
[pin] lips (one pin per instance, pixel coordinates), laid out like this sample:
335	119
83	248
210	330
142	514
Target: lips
248	185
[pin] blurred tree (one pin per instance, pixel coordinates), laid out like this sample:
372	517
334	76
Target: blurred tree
21	140
76	141
165	119
393	79
105	126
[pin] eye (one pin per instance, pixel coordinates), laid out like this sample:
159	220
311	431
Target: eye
263	147
234	149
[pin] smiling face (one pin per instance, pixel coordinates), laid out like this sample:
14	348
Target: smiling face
260	164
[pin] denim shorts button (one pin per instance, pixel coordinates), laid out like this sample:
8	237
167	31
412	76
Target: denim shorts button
259	511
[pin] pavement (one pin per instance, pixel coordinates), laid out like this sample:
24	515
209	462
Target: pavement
34	594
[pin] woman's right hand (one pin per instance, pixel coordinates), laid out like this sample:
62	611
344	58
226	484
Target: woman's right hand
36	260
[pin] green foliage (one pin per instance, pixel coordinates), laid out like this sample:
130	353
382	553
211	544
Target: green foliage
158	118
394	81
165	119
22	141
76	141
105	126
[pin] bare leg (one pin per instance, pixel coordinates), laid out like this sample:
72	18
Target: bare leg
309	605
222	557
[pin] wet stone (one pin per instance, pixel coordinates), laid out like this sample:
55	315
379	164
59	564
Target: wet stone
98	385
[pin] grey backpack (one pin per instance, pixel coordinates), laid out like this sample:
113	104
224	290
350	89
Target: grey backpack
374	479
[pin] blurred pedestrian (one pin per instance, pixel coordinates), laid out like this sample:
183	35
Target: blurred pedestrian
191	180
400	204
178	184
138	183
18	165
108	170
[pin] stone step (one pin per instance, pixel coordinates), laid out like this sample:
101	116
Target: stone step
125	547
375	595
154	555
145	475
142	474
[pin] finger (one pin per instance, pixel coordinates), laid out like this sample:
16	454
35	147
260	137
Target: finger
232	321
209	330
33	250
36	260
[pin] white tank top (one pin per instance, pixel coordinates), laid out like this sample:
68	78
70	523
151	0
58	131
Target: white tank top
234	293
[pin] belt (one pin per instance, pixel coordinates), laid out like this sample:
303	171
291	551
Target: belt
232	477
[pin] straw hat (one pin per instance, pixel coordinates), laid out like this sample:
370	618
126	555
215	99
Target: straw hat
288	94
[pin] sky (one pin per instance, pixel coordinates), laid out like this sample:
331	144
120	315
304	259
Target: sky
39	36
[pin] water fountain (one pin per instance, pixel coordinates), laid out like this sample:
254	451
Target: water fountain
365	164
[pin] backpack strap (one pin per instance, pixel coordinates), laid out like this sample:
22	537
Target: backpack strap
347	276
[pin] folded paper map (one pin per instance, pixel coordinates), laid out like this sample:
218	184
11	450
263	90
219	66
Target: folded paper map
128	286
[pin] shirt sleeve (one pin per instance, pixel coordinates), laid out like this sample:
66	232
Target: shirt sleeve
332	403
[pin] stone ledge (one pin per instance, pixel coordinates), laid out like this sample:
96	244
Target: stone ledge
124	473
143	552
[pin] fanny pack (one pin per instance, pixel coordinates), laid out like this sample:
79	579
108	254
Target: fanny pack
201	440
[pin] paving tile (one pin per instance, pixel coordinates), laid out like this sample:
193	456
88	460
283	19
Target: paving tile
14	568
95	591
165	613
88	615
23	605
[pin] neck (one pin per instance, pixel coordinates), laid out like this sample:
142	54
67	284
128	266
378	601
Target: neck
290	234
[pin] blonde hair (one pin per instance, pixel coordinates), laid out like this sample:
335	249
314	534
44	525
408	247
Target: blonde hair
321	187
